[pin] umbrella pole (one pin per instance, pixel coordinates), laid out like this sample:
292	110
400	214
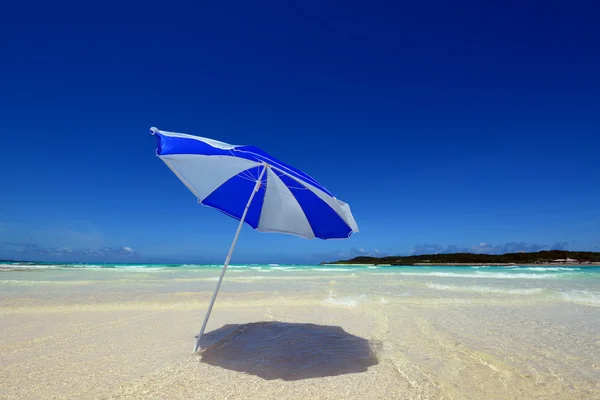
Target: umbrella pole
235	238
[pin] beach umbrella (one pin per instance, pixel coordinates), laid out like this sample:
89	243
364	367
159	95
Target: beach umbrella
248	184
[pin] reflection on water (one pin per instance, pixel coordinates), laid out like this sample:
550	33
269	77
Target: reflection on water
287	351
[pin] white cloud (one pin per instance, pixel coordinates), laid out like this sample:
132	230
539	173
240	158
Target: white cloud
360	252
485	248
35	250
425	249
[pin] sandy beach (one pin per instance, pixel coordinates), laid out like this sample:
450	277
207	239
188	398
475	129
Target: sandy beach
328	333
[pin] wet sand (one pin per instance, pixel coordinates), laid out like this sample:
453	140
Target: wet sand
120	335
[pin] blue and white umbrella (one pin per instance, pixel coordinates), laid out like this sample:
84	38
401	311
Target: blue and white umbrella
254	187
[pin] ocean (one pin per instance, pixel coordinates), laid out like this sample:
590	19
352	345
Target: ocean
122	331
577	284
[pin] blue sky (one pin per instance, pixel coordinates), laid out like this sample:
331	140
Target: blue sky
445	126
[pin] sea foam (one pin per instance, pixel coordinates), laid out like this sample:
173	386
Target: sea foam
484	289
553	269
581	297
485	275
347	301
333	269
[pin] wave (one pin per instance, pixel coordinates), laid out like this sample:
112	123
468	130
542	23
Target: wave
556	269
347	301
519	275
128	267
581	297
30	266
484	289
485	275
205	266
247	278
394	294
332	269
284	268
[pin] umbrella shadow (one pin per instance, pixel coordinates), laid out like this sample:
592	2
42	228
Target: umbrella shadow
287	351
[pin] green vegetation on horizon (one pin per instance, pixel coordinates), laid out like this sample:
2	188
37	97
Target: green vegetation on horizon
471	258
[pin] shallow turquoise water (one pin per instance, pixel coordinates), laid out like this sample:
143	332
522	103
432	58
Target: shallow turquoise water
540	320
349	284
591	271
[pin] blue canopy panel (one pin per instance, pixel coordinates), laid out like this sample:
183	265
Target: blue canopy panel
232	195
261	155
223	176
169	145
324	221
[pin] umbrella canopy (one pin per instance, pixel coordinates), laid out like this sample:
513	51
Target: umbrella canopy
223	176
254	187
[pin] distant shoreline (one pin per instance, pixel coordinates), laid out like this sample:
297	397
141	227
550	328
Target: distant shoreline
22	268
593	264
555	258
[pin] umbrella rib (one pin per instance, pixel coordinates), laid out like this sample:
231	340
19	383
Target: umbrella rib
250	177
247	177
279	174
279	166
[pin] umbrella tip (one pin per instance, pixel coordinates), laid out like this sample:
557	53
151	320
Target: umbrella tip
153	130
